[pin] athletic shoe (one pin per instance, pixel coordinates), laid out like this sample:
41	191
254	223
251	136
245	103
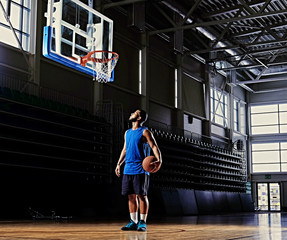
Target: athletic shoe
130	226
142	226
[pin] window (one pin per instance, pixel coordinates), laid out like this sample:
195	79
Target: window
242	117
236	115
140	71
175	89
239	116
219	107
283	118
269	157
269	119
20	14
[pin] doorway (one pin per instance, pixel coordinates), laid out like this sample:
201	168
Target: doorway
268	196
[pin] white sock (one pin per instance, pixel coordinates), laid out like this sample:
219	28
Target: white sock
134	216
144	217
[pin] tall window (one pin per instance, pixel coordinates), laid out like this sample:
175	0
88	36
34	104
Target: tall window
20	14
175	89
242	117
236	115
239	116
269	157
269	119
140	71
219	107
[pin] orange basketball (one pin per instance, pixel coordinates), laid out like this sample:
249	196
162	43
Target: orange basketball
147	163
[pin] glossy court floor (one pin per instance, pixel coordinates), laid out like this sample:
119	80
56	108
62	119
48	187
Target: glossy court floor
265	226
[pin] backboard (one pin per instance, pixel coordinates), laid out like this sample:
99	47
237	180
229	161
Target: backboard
75	29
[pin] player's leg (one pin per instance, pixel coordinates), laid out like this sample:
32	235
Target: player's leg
144	206
143	201
133	207
127	189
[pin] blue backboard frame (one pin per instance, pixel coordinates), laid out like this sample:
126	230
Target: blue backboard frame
74	30
55	57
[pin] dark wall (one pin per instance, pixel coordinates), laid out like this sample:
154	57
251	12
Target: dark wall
12	62
65	80
127	69
162	85
13	57
129	101
193	67
160	113
193	96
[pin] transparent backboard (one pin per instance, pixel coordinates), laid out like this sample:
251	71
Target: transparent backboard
73	30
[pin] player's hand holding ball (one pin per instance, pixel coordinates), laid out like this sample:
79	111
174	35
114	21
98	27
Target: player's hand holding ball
151	164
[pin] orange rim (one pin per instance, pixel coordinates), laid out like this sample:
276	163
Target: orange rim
88	57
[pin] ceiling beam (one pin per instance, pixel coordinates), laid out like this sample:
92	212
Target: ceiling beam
246	87
251	66
249	32
239	46
264	6
258	53
236	24
262	80
165	15
260	21
232	9
121	3
225	30
270	90
217	22
265	69
193	8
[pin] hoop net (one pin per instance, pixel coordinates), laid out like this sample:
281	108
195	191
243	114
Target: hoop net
102	63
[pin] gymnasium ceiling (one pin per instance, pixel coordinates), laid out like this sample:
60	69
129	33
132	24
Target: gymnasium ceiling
247	38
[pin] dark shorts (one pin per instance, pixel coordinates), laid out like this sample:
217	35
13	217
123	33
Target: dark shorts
135	184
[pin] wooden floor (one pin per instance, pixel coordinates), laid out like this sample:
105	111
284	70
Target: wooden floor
259	226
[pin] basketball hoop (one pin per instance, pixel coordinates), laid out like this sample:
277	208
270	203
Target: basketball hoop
102	63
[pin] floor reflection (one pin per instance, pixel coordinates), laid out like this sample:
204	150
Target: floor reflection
240	226
270	226
133	235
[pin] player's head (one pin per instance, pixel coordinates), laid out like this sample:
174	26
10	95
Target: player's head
143	116
139	115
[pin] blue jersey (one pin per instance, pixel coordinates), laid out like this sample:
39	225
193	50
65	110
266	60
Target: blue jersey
135	151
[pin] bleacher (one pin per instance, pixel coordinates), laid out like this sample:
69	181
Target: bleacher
193	164
42	134
45	137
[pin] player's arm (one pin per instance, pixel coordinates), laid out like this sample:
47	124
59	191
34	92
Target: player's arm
121	159
152	143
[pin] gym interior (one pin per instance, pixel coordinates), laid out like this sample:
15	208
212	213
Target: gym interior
210	74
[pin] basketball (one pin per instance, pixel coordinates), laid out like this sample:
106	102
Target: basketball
147	166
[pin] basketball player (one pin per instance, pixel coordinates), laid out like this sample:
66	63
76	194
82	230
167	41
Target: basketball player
135	182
